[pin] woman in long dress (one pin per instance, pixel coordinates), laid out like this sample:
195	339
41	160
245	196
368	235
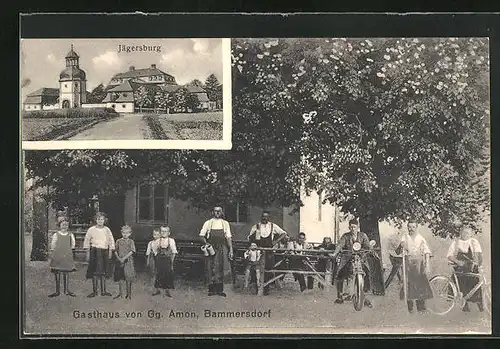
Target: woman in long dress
467	256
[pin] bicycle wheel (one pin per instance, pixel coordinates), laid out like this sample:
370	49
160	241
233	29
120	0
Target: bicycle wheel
487	297
444	295
359	295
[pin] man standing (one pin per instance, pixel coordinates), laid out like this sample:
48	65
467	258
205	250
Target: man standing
395	258
265	234
217	232
417	265
343	269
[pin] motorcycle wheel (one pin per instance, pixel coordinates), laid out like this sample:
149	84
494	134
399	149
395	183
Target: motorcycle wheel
359	295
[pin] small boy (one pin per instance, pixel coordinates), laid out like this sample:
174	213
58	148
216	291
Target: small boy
252	256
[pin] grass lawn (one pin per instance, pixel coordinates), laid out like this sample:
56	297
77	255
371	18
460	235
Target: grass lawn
50	128
193	126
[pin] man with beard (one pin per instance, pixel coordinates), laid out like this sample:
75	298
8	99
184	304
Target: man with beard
266	234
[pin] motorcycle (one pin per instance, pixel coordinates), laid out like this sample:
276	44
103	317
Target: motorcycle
358	255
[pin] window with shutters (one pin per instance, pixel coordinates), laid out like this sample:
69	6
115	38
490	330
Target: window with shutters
152	203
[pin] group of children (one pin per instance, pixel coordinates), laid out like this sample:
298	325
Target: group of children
101	247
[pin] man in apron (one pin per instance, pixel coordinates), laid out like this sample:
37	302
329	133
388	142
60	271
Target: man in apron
265	234
217	232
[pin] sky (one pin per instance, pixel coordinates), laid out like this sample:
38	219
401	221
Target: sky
42	60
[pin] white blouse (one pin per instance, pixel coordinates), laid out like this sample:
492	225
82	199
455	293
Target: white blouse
99	238
460	245
264	230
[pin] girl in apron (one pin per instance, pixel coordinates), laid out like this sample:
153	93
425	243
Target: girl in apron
217	233
62	262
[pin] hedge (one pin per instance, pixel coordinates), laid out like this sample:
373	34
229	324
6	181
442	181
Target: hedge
103	113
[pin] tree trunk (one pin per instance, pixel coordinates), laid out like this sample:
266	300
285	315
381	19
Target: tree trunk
39	250
369	225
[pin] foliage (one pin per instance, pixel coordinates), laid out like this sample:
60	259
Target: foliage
97	95
213	88
196	83
386	128
389	127
142	96
192	102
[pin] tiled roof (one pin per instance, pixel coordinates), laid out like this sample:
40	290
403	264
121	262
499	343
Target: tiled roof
124	87
71	73
33	100
45	91
140	73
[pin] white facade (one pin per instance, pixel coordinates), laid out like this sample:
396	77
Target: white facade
72	94
317	220
30	107
121	107
94	105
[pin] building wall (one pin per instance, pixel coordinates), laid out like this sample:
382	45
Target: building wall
121	107
32	107
186	221
317	220
75	95
94	105
50	107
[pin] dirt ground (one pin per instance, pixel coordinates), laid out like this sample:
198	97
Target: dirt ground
286	311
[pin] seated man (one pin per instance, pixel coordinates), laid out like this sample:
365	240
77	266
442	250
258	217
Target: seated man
326	245
298	262
343	268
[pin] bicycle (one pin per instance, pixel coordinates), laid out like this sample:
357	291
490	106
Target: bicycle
446	292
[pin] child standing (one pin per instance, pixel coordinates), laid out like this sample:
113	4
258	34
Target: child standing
165	250
62	262
124	270
150	256
99	243
252	256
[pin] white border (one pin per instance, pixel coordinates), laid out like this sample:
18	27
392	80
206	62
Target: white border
224	144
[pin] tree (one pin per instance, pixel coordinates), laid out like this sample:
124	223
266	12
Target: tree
180	98
196	83
192	101
141	97
212	86
97	94
388	127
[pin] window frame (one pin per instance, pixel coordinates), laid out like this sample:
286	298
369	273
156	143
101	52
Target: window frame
238	213
166	201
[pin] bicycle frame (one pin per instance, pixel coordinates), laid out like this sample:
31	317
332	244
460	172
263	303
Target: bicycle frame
480	283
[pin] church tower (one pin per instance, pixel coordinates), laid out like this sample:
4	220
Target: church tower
72	83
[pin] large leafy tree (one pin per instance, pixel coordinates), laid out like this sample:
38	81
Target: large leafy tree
388	127
97	94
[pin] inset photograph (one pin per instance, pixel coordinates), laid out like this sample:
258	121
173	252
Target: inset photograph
93	93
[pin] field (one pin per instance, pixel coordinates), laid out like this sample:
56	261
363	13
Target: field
52	128
46	125
193	126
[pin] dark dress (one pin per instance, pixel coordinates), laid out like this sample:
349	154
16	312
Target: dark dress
126	270
62	256
98	263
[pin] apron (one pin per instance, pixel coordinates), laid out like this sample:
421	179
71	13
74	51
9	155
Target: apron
468	282
217	239
62	257
163	262
418	284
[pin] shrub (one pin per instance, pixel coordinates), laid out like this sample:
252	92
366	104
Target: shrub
71	113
